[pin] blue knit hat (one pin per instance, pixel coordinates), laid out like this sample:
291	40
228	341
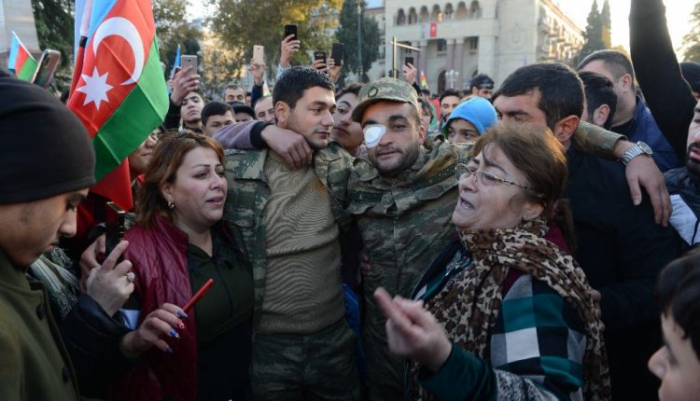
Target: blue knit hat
477	111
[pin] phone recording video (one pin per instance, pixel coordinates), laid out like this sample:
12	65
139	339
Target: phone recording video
291	29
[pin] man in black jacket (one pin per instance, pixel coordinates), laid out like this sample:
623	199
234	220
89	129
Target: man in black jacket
620	248
670	99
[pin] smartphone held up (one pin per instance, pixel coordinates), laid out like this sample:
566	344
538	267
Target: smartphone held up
50	59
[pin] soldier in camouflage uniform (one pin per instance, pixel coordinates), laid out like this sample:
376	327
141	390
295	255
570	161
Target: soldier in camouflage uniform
303	347
403	201
402	198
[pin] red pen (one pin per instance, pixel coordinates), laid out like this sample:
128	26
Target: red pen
198	295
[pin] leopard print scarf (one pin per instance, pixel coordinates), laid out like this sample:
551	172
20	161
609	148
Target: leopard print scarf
469	324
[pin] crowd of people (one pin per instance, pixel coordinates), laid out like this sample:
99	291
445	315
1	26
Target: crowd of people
511	242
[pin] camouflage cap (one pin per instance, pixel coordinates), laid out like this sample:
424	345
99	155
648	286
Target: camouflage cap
390	89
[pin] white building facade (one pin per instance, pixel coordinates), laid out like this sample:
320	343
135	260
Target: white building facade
459	39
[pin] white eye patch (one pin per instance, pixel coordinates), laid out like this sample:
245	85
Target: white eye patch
373	134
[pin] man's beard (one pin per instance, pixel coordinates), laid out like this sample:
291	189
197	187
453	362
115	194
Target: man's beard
408	157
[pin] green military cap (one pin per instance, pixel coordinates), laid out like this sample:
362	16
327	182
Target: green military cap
390	89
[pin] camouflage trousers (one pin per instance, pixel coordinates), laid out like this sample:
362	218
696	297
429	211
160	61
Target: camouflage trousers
316	366
384	371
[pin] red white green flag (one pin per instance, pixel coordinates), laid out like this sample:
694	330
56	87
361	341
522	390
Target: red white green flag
266	89
118	88
423	80
21	61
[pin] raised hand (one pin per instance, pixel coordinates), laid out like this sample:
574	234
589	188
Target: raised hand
412	331
289	47
109	285
184	82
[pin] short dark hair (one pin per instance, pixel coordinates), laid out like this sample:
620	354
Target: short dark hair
599	91
199	93
427	107
232	86
678	294
425	92
449	92
239	107
214	109
295	81
481	81
353	88
561	90
614	60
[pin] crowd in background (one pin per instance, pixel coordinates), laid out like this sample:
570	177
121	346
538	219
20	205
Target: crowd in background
531	240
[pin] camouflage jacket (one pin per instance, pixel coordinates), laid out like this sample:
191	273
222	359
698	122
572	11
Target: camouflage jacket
248	194
405	221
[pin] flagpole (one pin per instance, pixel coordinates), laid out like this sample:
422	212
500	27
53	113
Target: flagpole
395	44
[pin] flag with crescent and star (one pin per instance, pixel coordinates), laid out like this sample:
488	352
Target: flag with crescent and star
118	89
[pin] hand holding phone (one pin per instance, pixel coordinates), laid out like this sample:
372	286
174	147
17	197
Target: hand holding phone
291	29
337	53
189	61
409	61
290	45
320	57
258	54
48	64
116	226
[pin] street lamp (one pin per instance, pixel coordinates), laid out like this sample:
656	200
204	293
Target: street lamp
359	37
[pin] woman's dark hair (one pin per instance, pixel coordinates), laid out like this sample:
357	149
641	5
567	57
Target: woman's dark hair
425	105
162	168
678	293
537	154
353	88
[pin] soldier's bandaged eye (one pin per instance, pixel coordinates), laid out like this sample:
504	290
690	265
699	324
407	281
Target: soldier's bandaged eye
373	134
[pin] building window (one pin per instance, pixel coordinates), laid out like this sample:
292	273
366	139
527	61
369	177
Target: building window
473	43
436	15
475	10
412	16
462	12
448	11
401	18
441	45
424	14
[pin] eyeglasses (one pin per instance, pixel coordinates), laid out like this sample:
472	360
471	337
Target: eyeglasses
482	177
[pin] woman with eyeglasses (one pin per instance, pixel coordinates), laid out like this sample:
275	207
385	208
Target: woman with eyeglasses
502	313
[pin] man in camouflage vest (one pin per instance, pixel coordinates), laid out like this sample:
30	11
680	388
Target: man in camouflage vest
286	224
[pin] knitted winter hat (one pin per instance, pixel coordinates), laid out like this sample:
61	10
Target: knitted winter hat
44	148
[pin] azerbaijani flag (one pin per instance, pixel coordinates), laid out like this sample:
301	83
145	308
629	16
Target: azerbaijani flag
423	80
266	89
119	90
21	61
177	62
